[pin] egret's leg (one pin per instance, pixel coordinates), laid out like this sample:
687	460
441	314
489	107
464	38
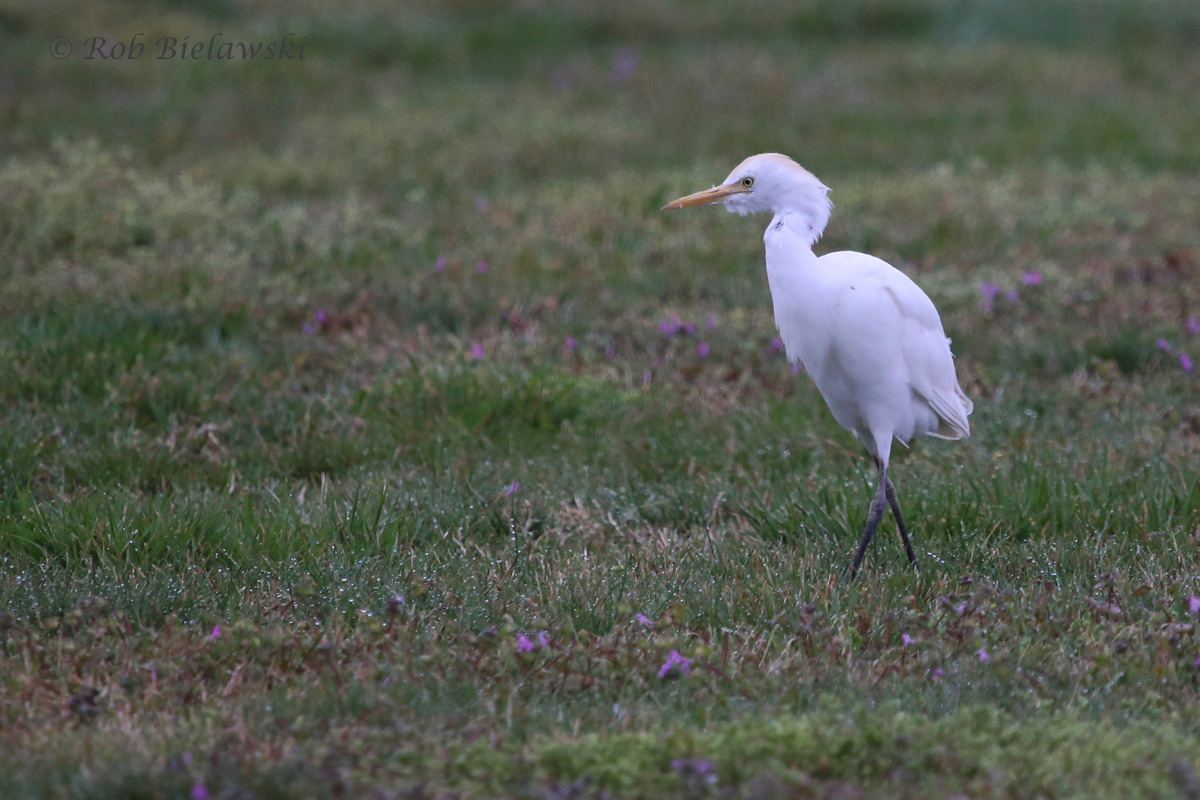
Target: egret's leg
894	502
878	504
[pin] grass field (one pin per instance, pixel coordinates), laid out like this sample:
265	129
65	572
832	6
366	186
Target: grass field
367	431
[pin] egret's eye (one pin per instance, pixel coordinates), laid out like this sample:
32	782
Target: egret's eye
747	182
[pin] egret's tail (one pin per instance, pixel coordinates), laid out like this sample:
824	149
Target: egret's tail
952	409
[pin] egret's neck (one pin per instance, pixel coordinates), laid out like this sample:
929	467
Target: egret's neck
789	247
798	225
804	207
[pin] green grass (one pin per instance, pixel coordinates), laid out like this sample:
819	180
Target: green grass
342	452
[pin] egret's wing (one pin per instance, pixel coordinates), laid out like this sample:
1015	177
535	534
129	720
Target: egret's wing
929	360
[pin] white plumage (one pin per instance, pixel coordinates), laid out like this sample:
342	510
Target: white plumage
869	337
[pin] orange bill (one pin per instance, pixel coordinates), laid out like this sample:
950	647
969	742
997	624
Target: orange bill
713	195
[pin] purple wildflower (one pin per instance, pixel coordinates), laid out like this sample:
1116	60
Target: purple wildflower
989	290
524	645
216	633
906	640
1192	325
960	609
476	352
937	672
644	620
776	345
702	349
560	78
1031	278
694	766
625	64
199	791
671	326
1185	361
481	266
543	639
1164	345
1194	604
439	264
983	655
319	320
796	367
675	665
689	328
1013	296
511	489
569	343
609	352
711	323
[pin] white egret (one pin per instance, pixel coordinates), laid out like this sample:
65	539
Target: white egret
871	340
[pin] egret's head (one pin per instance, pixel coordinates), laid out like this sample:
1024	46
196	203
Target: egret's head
768	182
